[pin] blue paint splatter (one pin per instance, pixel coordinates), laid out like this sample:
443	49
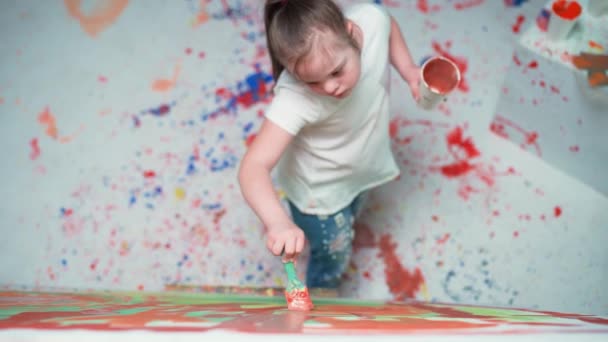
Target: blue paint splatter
514	3
252	90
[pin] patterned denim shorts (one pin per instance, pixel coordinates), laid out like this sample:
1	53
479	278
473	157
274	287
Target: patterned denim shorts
330	238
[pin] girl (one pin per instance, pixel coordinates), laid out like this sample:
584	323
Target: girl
327	127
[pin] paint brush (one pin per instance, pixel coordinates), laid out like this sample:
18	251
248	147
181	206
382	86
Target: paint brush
296	293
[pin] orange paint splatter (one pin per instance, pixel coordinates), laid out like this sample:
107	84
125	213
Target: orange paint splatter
595	45
163	85
597	78
104	15
48	121
202	16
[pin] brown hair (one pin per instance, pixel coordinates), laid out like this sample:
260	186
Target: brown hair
291	24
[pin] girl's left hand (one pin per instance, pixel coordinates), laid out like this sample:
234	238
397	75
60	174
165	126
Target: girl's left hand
412	76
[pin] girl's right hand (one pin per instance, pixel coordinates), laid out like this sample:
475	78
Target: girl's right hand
286	239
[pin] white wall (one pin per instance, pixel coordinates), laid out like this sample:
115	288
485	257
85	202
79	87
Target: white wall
118	197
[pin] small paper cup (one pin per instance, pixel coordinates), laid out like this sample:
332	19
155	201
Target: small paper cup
564	15
439	76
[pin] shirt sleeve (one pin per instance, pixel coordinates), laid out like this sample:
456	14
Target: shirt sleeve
292	110
381	16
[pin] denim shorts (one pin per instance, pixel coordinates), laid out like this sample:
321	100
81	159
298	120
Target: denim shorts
330	238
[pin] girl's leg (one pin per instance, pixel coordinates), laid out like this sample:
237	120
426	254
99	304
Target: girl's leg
330	238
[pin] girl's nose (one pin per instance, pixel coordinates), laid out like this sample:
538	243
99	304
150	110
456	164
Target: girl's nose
331	87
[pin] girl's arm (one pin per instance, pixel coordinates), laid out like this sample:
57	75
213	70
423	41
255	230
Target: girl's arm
259	192
402	60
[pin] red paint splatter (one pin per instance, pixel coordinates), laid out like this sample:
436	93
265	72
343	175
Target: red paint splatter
201	55
401	283
557	211
515	234
102	79
516	60
461	152
531	138
517	26
458	145
188	51
575	148
533	65
443	239
459	61
35	149
499	126
424	7
140	287
554	89
250	140
567	9
218	216
459	6
435	218
149	174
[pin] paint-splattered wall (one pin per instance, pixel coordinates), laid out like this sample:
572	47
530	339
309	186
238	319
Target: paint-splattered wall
123	123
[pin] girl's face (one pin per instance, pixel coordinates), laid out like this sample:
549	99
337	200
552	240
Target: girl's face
332	68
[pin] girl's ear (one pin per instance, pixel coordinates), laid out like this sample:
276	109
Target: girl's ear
349	27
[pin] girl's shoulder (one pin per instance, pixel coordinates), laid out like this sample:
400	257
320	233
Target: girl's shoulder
367	11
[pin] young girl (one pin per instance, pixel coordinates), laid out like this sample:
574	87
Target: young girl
327	127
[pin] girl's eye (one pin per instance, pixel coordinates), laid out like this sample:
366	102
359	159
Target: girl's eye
336	73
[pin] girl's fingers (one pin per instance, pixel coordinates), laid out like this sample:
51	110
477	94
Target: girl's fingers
299	245
290	248
277	248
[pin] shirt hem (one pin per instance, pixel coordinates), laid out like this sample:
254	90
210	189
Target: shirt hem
334	209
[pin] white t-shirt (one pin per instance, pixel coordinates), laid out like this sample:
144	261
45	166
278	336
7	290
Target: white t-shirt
340	147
